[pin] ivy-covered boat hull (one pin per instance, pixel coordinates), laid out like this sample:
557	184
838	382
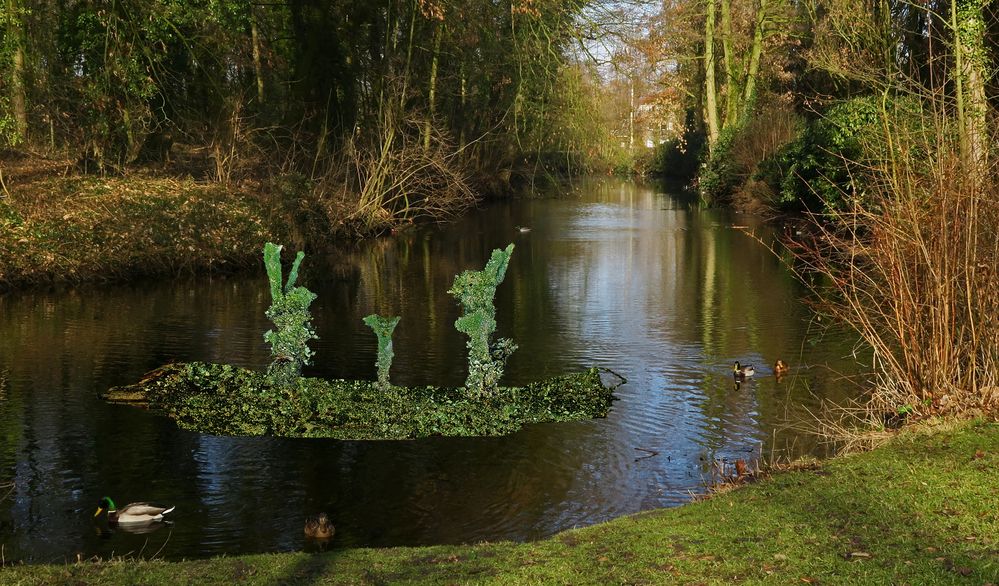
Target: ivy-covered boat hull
227	400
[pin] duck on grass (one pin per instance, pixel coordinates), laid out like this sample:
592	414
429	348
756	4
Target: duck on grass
226	400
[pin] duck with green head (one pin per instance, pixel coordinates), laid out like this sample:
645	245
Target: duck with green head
132	513
743	372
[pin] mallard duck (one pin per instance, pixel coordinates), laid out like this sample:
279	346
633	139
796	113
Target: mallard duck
781	367
319	527
132	513
743	372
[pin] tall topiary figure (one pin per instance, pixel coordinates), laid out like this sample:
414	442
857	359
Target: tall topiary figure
289	311
475	291
383	328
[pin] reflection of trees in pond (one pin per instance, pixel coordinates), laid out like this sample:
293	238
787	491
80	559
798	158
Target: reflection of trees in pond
409	276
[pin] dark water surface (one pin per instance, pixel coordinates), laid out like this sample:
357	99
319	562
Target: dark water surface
611	274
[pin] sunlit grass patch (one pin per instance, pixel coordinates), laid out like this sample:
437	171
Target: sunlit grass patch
920	510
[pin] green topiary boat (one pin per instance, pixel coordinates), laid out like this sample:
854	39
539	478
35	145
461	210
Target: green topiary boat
227	400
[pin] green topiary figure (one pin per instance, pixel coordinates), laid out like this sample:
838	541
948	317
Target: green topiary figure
475	291
289	311
383	328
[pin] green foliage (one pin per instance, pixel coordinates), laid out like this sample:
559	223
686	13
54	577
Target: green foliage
383	328
226	400
825	164
9	137
719	175
9	218
677	158
475	291
289	311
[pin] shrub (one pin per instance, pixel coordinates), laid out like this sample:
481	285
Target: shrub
719	175
475	291
383	328
828	163
911	267
731	168
676	158
226	400
289	311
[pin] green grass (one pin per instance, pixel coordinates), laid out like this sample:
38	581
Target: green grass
921	510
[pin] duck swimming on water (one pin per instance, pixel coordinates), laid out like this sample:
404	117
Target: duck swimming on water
132	513
743	372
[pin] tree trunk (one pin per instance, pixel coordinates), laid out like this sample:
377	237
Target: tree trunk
731	82
432	94
971	65
18	91
710	87
258	69
631	114
409	58
755	54
462	107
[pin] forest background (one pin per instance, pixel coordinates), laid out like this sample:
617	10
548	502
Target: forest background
136	135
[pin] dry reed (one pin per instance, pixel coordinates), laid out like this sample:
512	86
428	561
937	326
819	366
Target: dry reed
910	264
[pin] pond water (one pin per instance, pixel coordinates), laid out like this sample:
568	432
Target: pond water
613	274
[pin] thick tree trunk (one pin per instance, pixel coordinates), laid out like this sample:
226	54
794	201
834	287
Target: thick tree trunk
18	91
258	68
731	82
755	55
710	86
971	65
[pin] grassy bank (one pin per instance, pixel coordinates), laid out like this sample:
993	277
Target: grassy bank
58	229
921	510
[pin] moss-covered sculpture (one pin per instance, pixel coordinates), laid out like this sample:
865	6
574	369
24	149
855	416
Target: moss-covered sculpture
476	291
227	400
383	328
289	311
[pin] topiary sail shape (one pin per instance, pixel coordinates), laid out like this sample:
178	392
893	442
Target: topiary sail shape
289	311
476	291
383	328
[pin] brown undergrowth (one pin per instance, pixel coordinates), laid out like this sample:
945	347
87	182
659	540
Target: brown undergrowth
909	263
60	225
85	228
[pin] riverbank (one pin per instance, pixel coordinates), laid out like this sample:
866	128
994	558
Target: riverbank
58	229
920	510
59	226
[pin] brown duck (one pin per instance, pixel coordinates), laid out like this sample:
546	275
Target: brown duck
319	527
